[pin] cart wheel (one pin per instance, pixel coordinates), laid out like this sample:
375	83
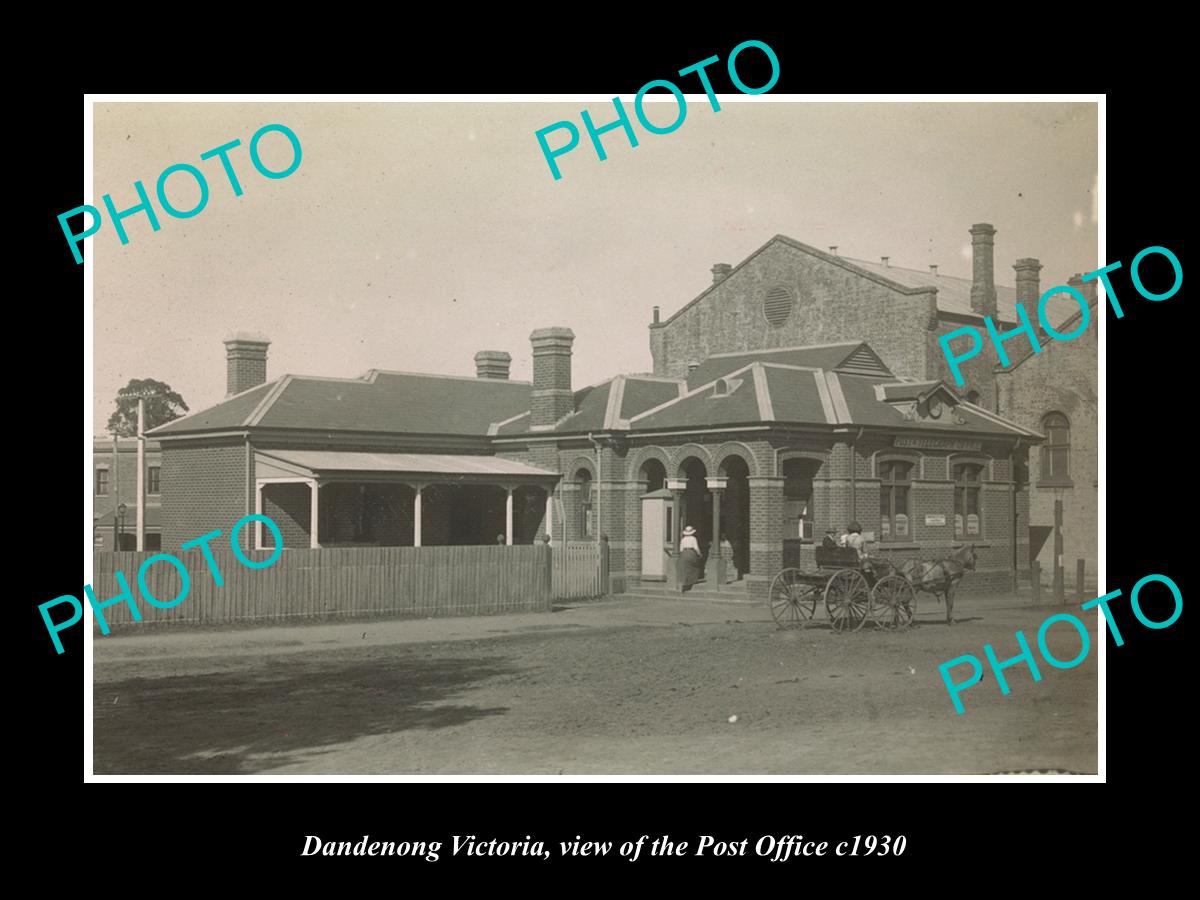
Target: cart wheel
892	602
847	600
792	600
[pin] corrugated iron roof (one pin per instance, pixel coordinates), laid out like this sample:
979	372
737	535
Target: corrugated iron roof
330	461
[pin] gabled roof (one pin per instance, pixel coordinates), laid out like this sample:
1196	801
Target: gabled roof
379	401
605	406
340	462
847	356
766	392
1066	326
953	294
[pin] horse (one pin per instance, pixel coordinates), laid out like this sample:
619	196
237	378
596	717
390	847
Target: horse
940	577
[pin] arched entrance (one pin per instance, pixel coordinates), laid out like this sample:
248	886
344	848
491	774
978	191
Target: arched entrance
652	476
735	511
697	502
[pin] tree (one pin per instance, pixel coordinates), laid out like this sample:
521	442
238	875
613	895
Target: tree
162	405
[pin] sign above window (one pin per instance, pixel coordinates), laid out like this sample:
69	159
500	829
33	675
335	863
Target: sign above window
936	443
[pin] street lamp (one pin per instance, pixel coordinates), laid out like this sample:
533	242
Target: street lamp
121	510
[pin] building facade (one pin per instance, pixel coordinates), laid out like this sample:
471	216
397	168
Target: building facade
114	482
1055	392
800	391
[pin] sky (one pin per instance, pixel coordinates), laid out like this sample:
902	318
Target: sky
414	234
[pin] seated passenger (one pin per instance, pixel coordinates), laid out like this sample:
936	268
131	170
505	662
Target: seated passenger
853	538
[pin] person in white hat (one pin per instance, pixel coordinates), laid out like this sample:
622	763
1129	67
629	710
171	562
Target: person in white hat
689	541
689	551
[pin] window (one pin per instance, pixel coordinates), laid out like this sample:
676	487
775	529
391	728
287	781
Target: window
584	478
967	517
896	478
153	479
102	482
1056	452
973	397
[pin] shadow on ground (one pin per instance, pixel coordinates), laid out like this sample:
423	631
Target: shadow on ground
281	709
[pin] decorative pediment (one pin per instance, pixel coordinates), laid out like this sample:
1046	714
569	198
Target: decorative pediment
921	401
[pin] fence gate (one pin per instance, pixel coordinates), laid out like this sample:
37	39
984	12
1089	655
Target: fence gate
575	570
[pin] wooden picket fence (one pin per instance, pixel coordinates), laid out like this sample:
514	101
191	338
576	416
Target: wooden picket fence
341	582
577	571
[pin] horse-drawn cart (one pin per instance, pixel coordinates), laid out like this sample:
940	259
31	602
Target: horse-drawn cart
851	589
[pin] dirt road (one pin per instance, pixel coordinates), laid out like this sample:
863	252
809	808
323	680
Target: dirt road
616	687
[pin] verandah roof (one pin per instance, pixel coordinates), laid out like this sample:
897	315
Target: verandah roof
394	466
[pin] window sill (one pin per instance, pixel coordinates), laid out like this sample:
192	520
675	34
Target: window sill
1056	483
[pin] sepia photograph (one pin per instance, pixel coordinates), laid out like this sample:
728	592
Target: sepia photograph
443	436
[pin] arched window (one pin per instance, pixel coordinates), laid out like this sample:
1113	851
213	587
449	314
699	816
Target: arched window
584	479
968	517
896	478
1056	451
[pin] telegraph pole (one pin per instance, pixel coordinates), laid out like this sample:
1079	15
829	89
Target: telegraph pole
141	475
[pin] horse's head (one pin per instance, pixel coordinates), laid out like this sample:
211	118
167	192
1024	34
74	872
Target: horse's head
966	556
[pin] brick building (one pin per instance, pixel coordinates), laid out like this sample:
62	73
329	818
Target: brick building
799	391
1054	392
114	481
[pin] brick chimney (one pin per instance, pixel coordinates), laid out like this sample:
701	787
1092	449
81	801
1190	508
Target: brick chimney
1087	288
492	364
245	361
552	397
720	272
1029	290
983	279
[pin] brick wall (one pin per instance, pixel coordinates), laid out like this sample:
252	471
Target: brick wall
1062	378
289	506
203	488
831	303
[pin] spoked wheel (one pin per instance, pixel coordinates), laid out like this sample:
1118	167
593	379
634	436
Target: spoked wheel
892	602
847	600
792	600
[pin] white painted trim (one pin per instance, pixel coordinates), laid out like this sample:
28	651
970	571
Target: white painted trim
616	394
838	398
766	410
508	518
417	515
826	400
495	427
150	433
784	349
691	393
371	375
314	512
265	404
1000	420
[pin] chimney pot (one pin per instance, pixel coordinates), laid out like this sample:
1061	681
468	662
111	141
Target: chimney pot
720	272
983	279
245	361
1087	288
933	268
656	315
692	366
1028	284
551	397
884	259
833	249
492	364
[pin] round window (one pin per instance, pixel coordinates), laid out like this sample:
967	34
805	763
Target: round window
777	306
